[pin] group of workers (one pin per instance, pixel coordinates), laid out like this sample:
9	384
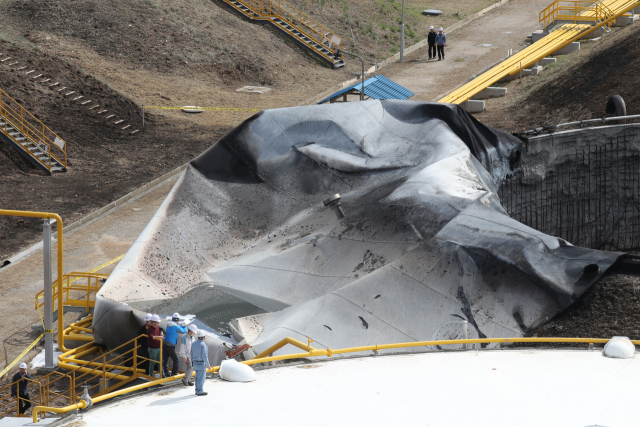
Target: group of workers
192	350
437	41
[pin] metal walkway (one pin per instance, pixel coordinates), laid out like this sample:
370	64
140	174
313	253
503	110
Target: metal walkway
557	39
30	137
302	28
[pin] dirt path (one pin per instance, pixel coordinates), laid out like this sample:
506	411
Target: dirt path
471	49
84	249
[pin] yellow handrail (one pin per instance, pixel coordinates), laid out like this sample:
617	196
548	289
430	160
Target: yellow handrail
310	351
67	279
268	9
34	130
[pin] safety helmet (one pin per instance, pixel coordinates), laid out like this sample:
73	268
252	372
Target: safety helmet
440	29
431	27
23	365
201	334
147	318
193	328
155	318
175	317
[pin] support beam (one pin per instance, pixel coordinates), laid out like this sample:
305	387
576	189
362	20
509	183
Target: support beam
570	48
48	294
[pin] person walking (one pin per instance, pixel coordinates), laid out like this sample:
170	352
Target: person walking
155	337
20	388
200	360
185	352
143	351
169	345
441	41
431	39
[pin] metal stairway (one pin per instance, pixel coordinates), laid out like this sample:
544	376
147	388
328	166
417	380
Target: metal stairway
30	137
302	28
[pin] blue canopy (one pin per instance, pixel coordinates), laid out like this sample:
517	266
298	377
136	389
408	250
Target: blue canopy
377	87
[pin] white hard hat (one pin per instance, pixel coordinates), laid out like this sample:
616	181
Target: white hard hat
155	318
193	328
201	333
175	315
23	365
148	317
440	29
431	27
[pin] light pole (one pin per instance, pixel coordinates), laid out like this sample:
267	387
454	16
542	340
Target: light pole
402	35
356	56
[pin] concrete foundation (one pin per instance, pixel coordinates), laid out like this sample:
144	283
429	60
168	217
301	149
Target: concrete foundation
623	21
472	106
490	92
570	48
535	70
538	35
547	61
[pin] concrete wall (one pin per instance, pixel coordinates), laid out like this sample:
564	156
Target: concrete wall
582	185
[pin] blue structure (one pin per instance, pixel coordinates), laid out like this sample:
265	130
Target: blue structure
377	87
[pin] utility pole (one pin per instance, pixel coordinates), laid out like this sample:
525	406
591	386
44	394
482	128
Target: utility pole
361	60
48	293
402	35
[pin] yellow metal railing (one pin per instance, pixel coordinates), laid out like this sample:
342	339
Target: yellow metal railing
37	136
268	9
263	357
88	289
574	11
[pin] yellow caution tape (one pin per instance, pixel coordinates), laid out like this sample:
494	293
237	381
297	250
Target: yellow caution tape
204	108
106	264
10	365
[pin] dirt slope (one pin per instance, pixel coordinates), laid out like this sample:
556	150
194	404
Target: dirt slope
576	88
105	162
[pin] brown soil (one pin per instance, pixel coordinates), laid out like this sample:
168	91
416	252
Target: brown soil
105	162
577	87
609	308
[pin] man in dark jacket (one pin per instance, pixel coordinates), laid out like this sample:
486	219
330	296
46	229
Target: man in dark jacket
143	350
20	388
431	39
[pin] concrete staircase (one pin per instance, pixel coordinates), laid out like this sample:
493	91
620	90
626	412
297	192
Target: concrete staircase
303	29
30	137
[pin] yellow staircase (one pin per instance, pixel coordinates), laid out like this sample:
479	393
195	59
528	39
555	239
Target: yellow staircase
302	28
30	137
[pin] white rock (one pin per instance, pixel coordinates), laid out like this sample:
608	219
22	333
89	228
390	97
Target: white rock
231	370
619	348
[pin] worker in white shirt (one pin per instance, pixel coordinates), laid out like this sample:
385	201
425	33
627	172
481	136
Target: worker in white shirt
185	353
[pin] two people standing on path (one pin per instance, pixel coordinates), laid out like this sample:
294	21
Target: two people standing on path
438	41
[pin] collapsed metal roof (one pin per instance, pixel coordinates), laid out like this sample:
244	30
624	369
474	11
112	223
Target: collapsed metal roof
424	242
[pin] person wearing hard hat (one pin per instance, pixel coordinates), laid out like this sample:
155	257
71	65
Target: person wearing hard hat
169	345
143	351
155	337
441	41
20	388
185	353
431	39
200	360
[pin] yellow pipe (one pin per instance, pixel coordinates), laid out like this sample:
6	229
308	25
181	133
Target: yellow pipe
80	405
455	98
46	215
312	352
